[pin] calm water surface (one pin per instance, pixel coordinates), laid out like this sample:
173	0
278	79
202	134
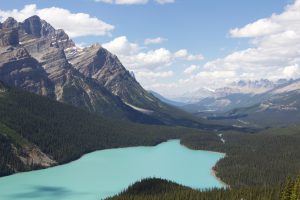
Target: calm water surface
105	173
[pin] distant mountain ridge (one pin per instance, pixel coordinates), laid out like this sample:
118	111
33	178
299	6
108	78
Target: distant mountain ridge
238	94
277	107
38	58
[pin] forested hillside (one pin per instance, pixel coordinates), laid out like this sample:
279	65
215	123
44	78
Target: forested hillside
265	158
157	189
60	133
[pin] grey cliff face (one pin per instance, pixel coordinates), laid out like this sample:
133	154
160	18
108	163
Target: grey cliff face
97	63
9	37
33	26
19	69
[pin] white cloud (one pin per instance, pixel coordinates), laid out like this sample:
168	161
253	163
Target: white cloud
123	2
161	87
152	59
259	28
133	56
157	40
75	24
181	53
152	77
277	23
165	1
216	74
291	71
121	46
191	69
184	54
151	74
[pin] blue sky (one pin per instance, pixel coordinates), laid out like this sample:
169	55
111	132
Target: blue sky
198	26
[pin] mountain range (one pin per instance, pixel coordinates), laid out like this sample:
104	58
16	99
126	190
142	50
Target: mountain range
38	58
236	95
274	105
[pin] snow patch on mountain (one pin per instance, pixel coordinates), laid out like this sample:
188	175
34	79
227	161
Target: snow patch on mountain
142	110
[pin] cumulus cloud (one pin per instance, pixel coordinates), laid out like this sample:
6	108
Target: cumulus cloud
157	40
75	24
292	71
277	23
121	46
151	74
151	59
152	77
133	56
259	28
185	55
191	69
123	2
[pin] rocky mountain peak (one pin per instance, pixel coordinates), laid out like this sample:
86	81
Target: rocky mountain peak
10	23
254	83
94	59
98	63
43	32
33	26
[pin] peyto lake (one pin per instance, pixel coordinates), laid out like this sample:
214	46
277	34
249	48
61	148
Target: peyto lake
105	173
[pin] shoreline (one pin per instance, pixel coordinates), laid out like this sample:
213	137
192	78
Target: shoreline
213	172
58	164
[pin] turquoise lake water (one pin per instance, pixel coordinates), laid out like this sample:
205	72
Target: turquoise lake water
105	173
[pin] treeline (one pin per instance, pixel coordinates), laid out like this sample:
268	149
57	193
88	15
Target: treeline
157	189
